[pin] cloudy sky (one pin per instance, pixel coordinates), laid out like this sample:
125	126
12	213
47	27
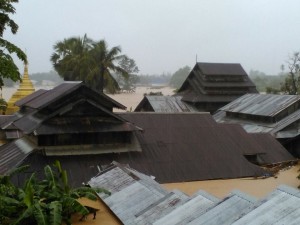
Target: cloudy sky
164	35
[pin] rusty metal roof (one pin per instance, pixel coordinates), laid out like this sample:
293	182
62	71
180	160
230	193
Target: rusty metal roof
261	104
164	104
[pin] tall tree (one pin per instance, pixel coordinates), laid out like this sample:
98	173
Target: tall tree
292	82
8	68
92	62
179	77
132	69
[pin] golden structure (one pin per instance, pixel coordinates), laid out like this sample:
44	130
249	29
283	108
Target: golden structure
25	88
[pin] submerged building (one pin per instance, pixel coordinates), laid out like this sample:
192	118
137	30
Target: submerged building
77	126
208	87
278	115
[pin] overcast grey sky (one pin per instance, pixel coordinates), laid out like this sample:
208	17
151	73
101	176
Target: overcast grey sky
164	35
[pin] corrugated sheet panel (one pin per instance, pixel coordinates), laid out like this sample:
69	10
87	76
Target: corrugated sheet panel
129	195
165	104
261	104
281	207
167	136
14	153
131	200
278	129
161	208
227	211
189	211
113	179
30	97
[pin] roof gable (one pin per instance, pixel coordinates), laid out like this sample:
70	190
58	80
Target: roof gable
42	99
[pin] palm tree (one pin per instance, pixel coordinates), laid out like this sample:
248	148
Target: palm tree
89	61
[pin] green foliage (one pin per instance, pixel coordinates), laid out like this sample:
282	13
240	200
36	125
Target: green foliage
48	201
128	65
8	68
291	84
266	83
179	77
83	59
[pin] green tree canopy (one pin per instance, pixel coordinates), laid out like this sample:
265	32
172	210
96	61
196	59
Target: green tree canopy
291	84
82	59
8	68
179	77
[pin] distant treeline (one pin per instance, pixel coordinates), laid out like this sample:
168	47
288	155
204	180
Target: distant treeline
39	79
267	83
264	83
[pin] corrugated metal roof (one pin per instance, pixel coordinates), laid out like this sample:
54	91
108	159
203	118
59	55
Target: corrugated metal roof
220	149
161	208
227	211
281	207
191	210
261	104
30	97
12	154
129	195
131	200
279	129
165	104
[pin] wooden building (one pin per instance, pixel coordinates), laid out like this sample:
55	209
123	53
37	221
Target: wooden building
76	125
209	86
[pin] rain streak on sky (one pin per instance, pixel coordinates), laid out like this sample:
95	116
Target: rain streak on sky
165	35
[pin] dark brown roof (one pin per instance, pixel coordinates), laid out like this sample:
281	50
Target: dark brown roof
176	148
216	82
274	151
221	68
30	97
186	147
42	99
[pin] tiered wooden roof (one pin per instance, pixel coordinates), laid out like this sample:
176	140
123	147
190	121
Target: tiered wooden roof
212	85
